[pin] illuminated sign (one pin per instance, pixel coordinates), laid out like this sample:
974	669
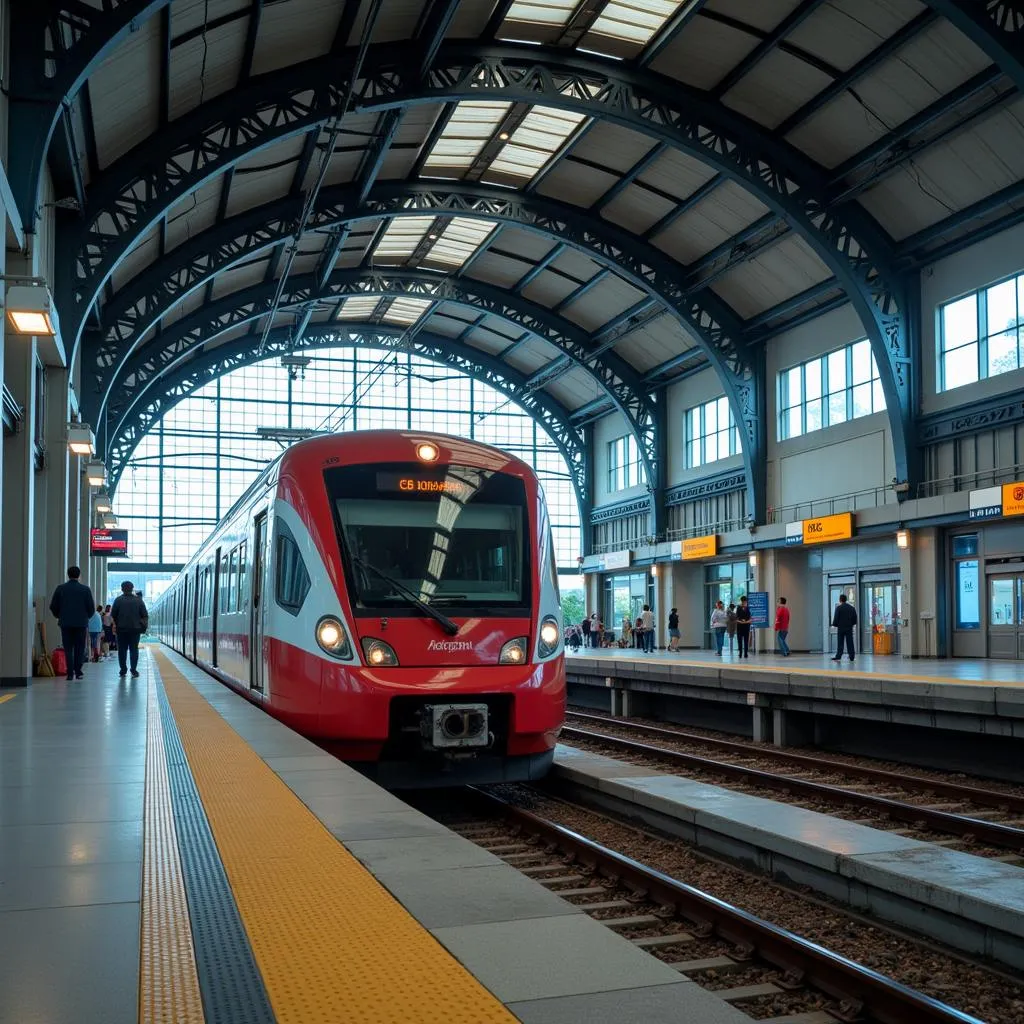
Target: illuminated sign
700	547
794	533
419	483
1013	499
108	542
828	528
616	560
986	503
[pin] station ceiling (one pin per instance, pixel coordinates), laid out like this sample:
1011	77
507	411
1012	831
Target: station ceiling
584	201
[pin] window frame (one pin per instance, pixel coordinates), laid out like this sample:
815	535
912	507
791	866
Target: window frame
625	468
982	333
825	392
284	538
700	414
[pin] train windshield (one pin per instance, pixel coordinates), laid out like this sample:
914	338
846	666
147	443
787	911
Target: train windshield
455	537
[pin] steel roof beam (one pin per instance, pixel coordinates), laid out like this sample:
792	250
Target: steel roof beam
669	32
816	291
653	154
210	364
995	28
581	289
698	195
251	32
436	21
900	38
794	19
539	267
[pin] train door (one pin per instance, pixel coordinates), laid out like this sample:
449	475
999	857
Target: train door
259	559
194	613
183	597
218	582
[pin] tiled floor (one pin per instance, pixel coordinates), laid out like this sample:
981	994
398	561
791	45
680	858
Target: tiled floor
954	670
72	766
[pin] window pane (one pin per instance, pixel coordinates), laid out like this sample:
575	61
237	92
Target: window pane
792	389
960	367
695	459
814	410
877	395
711	447
861	362
1002	307
836	372
862	400
793	427
724	413
960	322
837	408
1002	352
812	379
710	417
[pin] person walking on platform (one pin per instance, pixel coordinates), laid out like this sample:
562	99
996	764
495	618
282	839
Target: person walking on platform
131	620
730	623
719	620
647	619
782	626
585	630
108	628
595	630
73	606
95	632
743	619
673	630
845	621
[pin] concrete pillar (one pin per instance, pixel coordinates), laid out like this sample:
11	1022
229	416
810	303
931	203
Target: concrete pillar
52	486
762	724
17	625
921	576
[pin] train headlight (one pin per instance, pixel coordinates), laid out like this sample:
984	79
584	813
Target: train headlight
378	654
427	452
513	652
332	638
547	644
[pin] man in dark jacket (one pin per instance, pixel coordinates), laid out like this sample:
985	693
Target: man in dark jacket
844	620
131	620
73	606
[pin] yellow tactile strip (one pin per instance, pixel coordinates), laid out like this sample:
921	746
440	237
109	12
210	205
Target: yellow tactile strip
331	943
168	982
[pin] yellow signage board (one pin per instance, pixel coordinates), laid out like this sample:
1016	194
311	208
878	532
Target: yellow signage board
1013	499
827	528
700	547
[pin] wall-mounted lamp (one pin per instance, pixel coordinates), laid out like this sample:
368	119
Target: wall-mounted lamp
109	521
903	539
752	559
96	473
81	440
654	570
30	309
102	503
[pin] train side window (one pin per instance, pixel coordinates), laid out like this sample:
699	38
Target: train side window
290	576
243	570
223	583
233	581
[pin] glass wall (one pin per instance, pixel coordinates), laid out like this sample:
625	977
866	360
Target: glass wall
199	458
726	582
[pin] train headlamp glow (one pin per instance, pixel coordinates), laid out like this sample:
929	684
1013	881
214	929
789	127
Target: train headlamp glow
513	652
378	654
332	638
547	642
427	452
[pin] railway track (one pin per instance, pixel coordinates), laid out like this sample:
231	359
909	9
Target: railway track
762	969
901	801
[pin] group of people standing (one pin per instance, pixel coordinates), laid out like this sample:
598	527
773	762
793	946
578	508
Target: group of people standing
79	617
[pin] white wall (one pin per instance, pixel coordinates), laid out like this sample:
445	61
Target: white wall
967	271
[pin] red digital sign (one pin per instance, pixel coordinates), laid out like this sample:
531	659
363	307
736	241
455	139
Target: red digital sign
109	542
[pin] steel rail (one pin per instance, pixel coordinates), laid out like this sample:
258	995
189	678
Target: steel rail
1005	836
858	987
975	794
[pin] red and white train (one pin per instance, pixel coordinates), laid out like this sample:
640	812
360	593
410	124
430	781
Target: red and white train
393	596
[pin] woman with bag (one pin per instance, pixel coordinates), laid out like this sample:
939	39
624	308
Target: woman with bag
719	621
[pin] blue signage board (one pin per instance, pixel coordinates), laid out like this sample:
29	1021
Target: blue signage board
758	602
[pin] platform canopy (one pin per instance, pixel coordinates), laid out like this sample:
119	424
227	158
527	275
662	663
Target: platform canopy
584	201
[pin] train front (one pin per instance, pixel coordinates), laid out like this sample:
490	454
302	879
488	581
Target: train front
455	669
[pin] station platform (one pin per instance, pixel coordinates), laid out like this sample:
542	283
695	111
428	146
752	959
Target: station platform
880	705
971	902
169	853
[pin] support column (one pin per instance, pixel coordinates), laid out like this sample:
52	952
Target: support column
52	487
16	555
921	576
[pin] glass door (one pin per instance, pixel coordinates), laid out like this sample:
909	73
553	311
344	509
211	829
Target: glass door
849	588
1006	616
879	617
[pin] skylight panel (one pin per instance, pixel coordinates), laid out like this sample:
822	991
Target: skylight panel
401	238
458	241
535	141
466	134
541	12
634	22
358	308
405	311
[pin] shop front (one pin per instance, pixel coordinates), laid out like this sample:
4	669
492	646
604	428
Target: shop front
625	595
726	582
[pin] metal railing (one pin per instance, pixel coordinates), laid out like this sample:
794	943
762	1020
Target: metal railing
969	481
854	501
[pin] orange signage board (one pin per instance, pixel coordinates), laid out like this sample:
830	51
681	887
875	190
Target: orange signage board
1013	499
700	547
828	528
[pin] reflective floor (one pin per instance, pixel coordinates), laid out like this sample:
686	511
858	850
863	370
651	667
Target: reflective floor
958	670
72	770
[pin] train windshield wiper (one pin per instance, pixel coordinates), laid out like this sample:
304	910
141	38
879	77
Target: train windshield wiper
438	616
